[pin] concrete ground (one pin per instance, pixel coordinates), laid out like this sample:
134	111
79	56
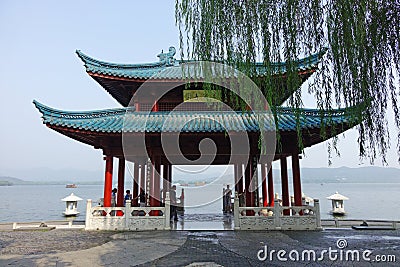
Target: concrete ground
199	248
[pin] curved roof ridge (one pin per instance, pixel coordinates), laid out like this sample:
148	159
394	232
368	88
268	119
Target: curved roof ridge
316	111
311	58
302	63
194	122
56	113
52	112
99	63
167	60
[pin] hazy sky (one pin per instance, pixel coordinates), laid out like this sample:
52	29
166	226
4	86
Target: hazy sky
38	61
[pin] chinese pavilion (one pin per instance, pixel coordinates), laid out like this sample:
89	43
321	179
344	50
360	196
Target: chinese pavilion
104	129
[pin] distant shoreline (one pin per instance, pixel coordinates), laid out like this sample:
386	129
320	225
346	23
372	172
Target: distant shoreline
16	182
308	175
51	183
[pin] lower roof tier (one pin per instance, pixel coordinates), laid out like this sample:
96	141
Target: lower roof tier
127	120
104	129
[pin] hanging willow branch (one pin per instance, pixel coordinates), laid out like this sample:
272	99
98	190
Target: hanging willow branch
360	67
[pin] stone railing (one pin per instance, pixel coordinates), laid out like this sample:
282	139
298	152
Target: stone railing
277	217
127	218
346	223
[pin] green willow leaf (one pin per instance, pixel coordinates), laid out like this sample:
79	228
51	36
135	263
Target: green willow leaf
359	69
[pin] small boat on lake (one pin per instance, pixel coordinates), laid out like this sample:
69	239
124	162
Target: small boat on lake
71	202
337	204
71	186
5	183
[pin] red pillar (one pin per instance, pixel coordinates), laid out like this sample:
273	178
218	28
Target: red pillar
264	185
271	196
236	177
155	185
151	183
285	185
249	188
170	174
247	173
256	183
142	176
157	178
296	180
121	181
166	184
108	181
135	189
240	177
238	167
155	106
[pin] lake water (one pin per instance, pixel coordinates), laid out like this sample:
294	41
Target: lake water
21	203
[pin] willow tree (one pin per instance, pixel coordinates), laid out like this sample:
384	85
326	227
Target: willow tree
360	67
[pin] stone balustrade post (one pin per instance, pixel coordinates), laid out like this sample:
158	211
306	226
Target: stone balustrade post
277	215
317	213
89	215
167	212
127	213
236	206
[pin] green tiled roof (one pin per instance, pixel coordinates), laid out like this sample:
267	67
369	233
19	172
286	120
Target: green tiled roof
169	68
116	121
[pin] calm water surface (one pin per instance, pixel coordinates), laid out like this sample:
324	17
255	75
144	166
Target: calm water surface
43	202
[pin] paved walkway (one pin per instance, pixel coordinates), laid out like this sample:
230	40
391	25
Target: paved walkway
195	248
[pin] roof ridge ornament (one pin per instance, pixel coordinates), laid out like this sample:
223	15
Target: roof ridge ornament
168	58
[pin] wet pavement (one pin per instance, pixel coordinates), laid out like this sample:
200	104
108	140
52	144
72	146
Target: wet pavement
203	248
204	222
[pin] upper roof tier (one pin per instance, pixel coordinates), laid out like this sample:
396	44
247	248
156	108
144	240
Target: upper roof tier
122	80
157	70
